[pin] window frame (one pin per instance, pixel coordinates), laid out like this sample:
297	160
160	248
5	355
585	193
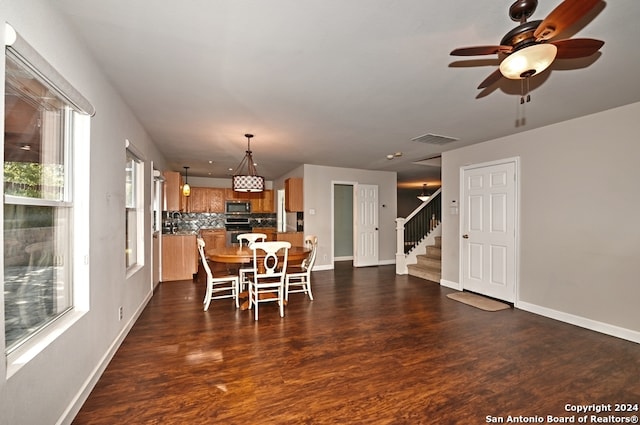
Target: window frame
134	208
75	199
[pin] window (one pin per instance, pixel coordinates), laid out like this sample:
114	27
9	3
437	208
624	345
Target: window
134	245
41	122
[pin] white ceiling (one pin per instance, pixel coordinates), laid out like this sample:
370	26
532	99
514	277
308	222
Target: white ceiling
340	82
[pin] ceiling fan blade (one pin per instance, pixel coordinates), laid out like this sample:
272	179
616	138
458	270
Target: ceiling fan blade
577	47
562	17
480	50
492	78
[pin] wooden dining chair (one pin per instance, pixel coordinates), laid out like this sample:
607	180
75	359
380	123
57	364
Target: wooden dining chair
217	287
266	283
301	276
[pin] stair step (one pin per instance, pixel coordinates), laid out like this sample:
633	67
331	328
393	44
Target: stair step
428	261
428	273
434	251
438	242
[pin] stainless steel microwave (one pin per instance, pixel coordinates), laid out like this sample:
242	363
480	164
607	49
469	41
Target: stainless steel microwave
237	207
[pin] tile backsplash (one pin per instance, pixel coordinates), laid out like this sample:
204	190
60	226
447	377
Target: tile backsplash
193	222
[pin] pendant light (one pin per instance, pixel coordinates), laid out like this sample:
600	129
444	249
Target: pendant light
424	196
186	189
249	181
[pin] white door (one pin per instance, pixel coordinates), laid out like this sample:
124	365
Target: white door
488	229
366	226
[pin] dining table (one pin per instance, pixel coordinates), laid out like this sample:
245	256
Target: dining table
236	254
242	255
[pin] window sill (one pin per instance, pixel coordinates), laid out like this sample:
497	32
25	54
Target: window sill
133	270
32	348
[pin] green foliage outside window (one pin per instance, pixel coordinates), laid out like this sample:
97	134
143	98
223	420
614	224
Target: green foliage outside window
27	178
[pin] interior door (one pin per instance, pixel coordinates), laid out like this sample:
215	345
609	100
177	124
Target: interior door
488	229
366	226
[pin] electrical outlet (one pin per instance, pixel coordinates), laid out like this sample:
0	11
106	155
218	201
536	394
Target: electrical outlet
120	313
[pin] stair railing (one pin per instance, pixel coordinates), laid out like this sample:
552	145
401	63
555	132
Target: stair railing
412	230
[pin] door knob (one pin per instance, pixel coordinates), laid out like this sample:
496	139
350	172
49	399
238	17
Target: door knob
465	236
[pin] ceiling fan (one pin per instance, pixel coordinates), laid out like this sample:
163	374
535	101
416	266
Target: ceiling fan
529	48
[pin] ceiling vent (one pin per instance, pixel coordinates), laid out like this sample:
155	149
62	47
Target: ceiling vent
434	139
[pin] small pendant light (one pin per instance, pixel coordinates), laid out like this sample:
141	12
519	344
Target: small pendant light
186	189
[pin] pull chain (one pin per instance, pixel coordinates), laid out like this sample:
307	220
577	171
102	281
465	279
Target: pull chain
523	92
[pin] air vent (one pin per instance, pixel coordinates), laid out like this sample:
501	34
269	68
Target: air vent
434	139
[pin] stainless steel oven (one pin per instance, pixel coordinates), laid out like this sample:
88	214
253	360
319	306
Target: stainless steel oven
236	226
237	207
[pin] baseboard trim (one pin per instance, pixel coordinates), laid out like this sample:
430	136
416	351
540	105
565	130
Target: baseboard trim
450	284
343	258
83	394
386	262
583	322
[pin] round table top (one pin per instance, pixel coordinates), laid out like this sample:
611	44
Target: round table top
235	254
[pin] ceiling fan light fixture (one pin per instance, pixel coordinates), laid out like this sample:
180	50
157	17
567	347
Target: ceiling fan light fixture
248	181
528	61
424	195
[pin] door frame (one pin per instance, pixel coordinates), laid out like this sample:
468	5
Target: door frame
516	243
335	183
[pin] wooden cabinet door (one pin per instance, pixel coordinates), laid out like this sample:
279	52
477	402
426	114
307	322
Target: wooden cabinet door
179	260
206	200
231	195
197	201
220	239
293	199
213	238
172	188
216	199
268	203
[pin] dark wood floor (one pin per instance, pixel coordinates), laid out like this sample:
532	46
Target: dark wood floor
373	348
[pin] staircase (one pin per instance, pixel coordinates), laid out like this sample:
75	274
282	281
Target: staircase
418	241
428	266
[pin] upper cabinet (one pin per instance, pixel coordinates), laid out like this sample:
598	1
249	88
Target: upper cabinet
210	199
293	199
173	191
262	202
206	199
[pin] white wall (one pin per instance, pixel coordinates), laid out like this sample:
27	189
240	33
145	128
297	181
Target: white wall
54	383
579	209
318	196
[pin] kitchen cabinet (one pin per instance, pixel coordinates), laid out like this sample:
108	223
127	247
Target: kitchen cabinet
262	202
269	231
179	260
231	195
296	238
268	203
173	199
206	200
293	195
213	238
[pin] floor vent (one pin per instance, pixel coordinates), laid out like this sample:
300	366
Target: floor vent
434	139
